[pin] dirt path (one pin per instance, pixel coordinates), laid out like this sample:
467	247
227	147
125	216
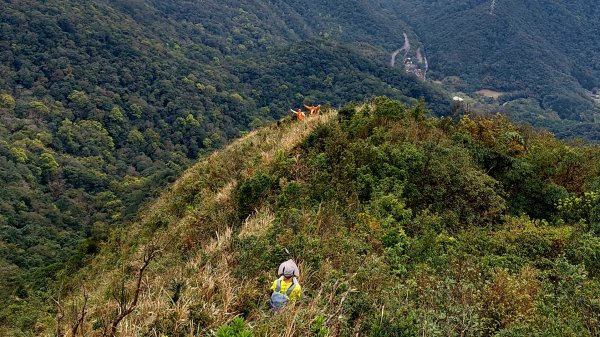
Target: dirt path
405	48
493	7
422	59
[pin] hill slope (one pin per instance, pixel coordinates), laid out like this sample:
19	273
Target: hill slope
103	103
402	225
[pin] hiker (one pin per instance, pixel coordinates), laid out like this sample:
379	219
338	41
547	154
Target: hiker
314	110
299	114
286	288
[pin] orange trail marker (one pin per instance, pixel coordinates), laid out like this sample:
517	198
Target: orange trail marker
313	109
299	114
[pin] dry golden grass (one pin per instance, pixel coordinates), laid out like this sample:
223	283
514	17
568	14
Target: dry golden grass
195	245
258	223
490	93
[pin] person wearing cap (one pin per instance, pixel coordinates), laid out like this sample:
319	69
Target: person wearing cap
286	288
286	281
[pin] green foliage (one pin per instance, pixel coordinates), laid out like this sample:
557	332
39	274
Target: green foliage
80	98
394	327
257	254
250	191
402	227
318	327
48	163
532	65
237	328
7	102
574	208
116	115
20	155
39	107
390	109
103	104
586	250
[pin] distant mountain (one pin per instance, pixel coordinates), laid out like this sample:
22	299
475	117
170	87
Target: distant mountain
547	50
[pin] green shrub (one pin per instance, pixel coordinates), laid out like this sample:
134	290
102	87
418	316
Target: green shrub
291	195
586	249
7	102
575	208
237	328
257	254
396	327
318	328
389	109
251	191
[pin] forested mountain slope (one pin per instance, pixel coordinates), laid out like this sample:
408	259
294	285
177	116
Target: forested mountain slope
402	226
548	50
103	102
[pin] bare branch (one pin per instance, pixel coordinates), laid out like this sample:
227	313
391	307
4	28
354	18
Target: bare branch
125	309
81	317
60	314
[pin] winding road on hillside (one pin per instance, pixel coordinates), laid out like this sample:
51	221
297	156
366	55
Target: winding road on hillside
405	48
422	59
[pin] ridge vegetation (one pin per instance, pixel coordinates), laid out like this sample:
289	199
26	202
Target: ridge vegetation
402	224
104	103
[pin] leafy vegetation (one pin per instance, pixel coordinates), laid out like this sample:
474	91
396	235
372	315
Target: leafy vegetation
237	328
102	104
402	224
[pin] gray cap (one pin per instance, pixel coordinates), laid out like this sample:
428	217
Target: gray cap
288	269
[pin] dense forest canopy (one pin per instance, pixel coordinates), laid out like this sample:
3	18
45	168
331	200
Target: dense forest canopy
548	50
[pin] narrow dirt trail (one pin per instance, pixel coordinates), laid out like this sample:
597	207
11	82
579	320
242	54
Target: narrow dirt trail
405	48
422	59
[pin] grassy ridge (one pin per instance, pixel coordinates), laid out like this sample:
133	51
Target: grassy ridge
402	225
102	104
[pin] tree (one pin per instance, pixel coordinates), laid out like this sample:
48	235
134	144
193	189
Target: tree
116	115
86	138
136	139
7	102
127	306
48	164
80	98
136	110
39	107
